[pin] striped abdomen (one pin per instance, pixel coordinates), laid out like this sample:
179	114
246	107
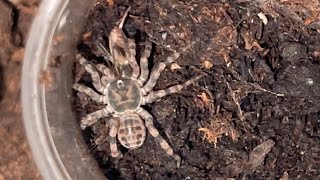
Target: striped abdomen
132	131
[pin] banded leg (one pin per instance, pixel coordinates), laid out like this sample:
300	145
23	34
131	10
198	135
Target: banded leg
108	75
144	64
155	133
161	66
106	71
92	71
113	138
153	95
92	118
132	59
91	93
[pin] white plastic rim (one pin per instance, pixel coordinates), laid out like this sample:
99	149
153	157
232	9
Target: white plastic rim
37	49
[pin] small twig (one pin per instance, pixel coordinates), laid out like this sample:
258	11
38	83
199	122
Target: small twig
121	22
139	19
193	18
258	87
200	71
208	92
236	101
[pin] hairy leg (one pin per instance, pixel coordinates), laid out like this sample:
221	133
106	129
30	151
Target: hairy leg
91	93
113	124
144	64
154	76
155	133
92	118
108	74
154	95
132	60
106	71
92	71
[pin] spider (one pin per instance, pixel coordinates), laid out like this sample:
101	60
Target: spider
125	94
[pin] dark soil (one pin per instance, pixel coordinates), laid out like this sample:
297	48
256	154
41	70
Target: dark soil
256	113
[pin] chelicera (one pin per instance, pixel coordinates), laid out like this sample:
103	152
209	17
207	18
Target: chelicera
124	94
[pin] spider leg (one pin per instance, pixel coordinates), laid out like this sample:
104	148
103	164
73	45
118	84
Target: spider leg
113	138
106	71
144	64
92	118
161	66
108	75
155	133
93	72
132	59
153	95
91	93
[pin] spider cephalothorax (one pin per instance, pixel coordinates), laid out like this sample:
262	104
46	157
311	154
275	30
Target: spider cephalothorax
123	97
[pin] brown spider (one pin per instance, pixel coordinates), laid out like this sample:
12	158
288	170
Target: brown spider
124	95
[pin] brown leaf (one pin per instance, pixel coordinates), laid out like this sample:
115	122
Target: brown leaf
285	176
207	64
110	2
175	66
307	21
249	42
258	154
204	98
257	46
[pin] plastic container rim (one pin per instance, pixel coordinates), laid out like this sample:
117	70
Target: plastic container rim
35	121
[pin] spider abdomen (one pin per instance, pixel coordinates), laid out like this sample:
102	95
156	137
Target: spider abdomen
132	131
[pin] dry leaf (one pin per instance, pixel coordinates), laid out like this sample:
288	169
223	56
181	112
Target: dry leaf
110	2
247	40
256	158
285	176
207	64
308	21
263	18
258	154
175	66
257	46
204	98
250	43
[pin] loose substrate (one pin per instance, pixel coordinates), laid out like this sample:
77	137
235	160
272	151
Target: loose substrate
254	115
